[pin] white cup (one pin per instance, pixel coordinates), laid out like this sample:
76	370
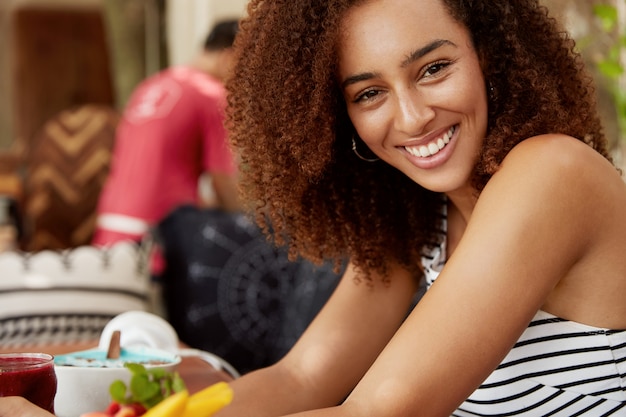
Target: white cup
143	329
84	378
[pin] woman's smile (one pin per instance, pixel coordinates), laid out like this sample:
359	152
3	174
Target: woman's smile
432	151
431	148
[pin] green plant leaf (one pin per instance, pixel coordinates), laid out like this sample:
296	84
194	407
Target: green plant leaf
147	387
609	65
151	402
157	373
135	368
143	389
178	384
610	69
607	15
117	390
614	53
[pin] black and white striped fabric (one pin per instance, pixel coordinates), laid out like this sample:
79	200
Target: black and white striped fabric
51	329
557	368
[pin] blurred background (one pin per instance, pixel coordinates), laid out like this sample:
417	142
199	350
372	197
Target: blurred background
67	68
98	50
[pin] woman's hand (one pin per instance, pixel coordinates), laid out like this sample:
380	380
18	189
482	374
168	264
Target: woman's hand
20	407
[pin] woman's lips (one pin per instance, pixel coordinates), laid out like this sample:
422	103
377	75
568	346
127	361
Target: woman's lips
433	147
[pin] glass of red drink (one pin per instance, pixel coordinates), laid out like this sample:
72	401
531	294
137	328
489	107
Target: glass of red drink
29	375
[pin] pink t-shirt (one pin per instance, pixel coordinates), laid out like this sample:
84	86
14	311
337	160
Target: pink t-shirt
172	131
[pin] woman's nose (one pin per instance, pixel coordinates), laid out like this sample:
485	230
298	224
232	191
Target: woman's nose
413	113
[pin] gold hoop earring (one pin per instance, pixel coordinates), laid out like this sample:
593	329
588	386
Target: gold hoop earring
493	94
359	155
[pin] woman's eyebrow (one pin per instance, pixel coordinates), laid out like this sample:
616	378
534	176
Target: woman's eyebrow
353	79
419	53
412	57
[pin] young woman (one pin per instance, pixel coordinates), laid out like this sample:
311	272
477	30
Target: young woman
454	141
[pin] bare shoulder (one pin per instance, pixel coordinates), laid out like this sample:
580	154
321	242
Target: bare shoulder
556	195
572	197
577	201
560	154
559	168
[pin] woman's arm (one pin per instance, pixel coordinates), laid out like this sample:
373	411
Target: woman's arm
333	353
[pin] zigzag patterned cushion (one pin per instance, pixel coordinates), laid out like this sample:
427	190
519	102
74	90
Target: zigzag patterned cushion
65	171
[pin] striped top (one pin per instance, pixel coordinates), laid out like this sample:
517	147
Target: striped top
557	368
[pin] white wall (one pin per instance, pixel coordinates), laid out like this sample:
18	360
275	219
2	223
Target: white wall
188	23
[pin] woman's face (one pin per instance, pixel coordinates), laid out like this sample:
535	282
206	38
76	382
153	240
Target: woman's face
414	89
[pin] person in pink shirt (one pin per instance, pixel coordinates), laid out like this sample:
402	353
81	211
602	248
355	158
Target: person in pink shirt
172	132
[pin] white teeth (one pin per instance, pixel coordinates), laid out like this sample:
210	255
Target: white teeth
414	151
433	147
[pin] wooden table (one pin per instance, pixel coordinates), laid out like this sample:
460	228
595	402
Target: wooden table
196	373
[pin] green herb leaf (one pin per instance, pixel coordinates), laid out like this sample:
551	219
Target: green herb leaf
143	389
157	373
147	387
178	384
136	368
118	391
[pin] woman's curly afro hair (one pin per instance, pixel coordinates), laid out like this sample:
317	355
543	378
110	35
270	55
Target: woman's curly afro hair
289	126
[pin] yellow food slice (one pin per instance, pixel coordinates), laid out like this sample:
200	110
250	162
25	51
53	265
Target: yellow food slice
211	390
208	401
172	406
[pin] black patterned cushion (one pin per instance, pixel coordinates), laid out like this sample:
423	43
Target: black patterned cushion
229	291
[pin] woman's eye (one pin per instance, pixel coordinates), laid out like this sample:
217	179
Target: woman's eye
366	96
434	68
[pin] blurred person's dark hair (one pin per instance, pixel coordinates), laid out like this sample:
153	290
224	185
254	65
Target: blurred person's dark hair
222	36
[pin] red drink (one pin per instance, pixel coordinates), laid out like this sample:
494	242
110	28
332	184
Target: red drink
29	375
